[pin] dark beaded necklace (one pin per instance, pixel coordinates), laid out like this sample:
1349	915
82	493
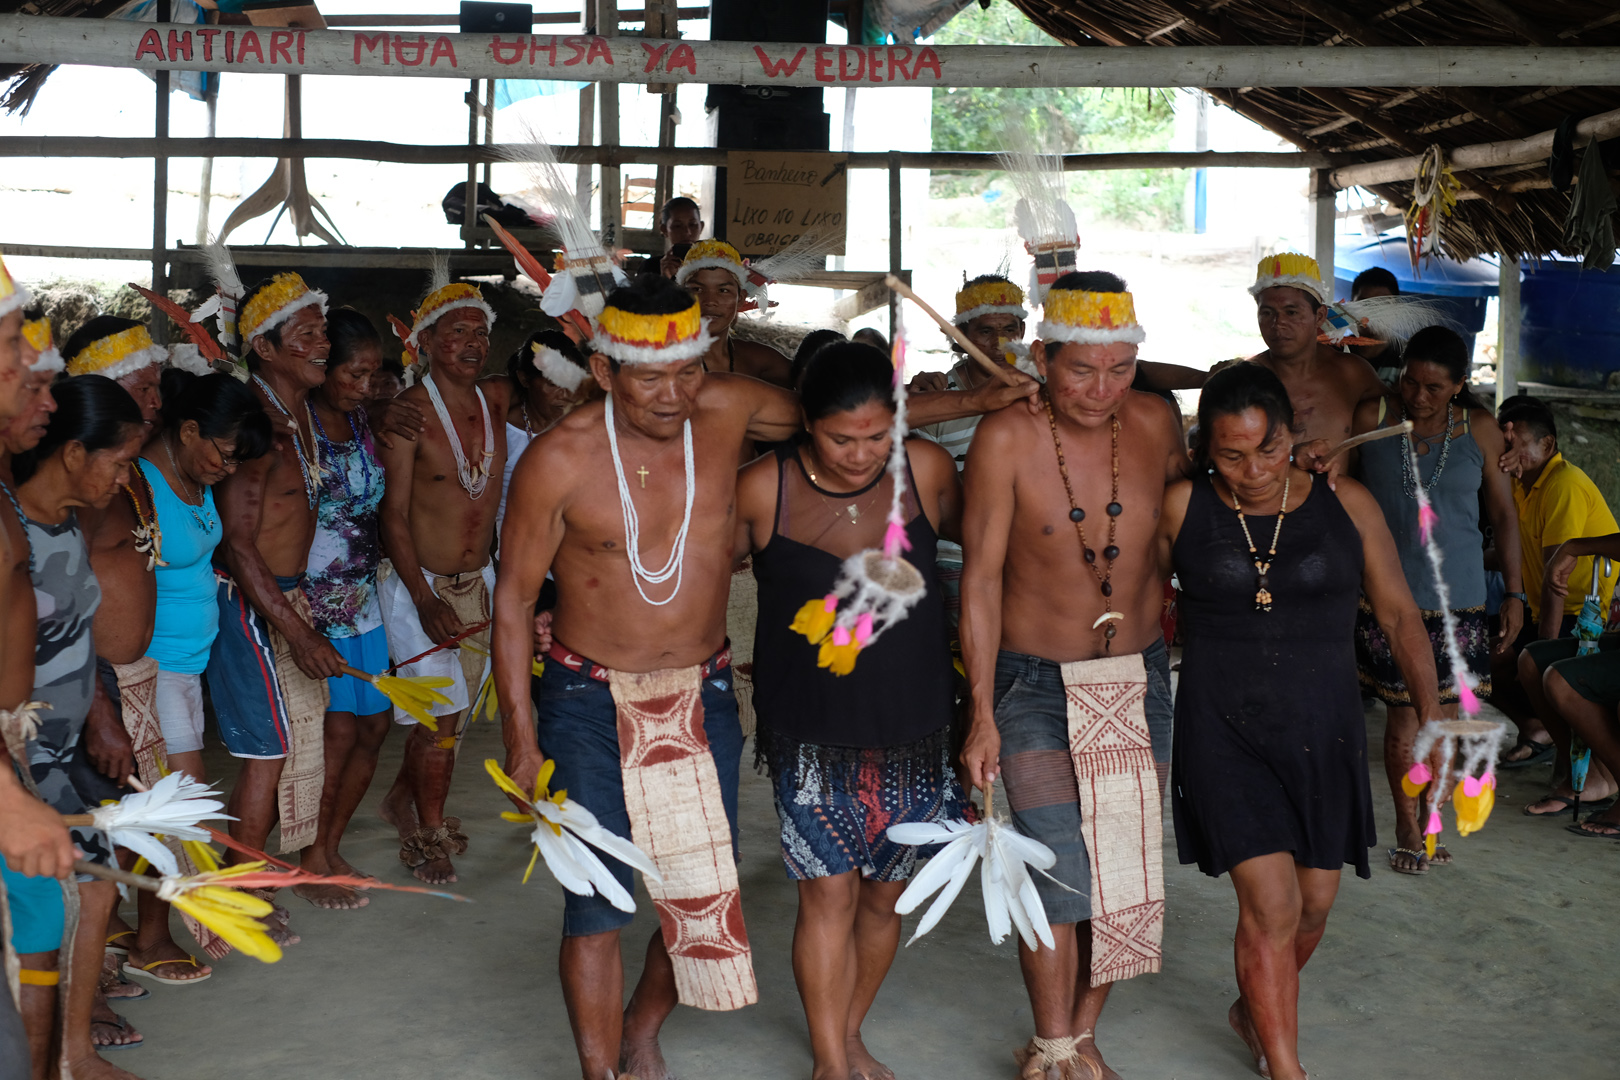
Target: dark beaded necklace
1111	552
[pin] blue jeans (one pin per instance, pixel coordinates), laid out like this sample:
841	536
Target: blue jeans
578	727
1032	715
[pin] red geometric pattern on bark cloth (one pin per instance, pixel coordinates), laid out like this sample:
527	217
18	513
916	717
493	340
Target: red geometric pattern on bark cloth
1120	814
304	774
672	794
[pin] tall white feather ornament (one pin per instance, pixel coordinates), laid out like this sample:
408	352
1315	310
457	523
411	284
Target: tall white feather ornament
586	256
806	254
1393	319
228	293
1045	221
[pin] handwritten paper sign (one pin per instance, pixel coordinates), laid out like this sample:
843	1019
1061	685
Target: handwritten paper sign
775	197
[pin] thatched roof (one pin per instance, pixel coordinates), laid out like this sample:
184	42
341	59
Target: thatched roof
1516	212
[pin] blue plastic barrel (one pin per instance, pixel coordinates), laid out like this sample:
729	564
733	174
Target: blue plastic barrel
1570	334
1460	288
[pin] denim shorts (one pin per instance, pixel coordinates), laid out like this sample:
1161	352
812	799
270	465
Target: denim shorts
578	727
1038	772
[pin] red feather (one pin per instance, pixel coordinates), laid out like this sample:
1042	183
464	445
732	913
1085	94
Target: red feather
403	332
520	254
197	332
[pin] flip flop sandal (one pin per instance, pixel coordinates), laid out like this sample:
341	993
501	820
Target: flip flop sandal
1420	855
1579	829
1567	808
145	971
1539	752
119	950
122	1025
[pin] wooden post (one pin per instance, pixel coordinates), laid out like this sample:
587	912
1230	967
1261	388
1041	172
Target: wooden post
1509	314
489	129
587	121
160	198
1324	224
469	203
896	237
607	15
205	186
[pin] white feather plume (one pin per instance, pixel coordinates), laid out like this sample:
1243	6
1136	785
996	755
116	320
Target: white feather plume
1010	898
1043	214
438	273
548	187
222	268
171	807
1395	318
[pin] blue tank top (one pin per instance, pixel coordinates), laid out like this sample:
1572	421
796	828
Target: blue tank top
187	607
1455	498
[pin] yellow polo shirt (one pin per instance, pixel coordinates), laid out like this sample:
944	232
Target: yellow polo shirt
1563	504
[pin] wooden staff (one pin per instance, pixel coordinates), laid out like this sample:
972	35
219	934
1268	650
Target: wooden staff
109	873
1371	436
1000	371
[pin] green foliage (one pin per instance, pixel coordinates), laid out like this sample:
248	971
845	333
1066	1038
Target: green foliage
1065	121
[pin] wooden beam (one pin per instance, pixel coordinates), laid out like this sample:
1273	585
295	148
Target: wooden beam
73	146
1526	29
145	46
562	18
1479	156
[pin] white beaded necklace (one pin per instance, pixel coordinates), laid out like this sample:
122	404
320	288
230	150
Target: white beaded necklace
632	524
475	478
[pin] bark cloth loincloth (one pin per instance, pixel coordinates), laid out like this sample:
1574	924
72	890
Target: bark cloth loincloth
672	794
305	771
1120	814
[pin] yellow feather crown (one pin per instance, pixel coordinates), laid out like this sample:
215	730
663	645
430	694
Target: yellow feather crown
989	298
117	355
1292	270
712	255
651	339
37	332
275	304
457	294
1090	318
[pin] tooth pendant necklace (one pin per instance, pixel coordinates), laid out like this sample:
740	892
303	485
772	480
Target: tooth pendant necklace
1262	567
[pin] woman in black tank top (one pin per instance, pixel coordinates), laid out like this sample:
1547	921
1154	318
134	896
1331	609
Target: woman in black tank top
851	754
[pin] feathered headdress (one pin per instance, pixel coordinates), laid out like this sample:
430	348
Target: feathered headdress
630	338
586	273
228	292
1045	220
444	296
202	351
556	368
37	332
1090	318
806	254
117	355
876	588
992	296
284	297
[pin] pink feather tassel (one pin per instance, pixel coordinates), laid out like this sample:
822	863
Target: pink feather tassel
1435	824
1467	698
1427	520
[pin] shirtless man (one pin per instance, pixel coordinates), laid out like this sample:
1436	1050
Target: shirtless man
565	516
715	274
1324	384
1019	533
268	667
438	529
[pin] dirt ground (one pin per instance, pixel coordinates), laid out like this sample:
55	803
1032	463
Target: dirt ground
1495	967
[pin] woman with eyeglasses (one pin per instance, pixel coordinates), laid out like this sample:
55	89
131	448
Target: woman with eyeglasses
210	424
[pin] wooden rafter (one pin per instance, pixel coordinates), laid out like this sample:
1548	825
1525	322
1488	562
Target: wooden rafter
1532	33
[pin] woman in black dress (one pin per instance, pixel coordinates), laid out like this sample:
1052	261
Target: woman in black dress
1269	771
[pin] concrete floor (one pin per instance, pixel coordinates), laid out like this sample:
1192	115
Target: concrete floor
1495	967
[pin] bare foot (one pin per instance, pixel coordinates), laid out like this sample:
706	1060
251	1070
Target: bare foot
332	897
1238	1017
644	1060
862	1065
169	962
107	1028
436	872
340	865
399	811
95	1067
1091	1066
